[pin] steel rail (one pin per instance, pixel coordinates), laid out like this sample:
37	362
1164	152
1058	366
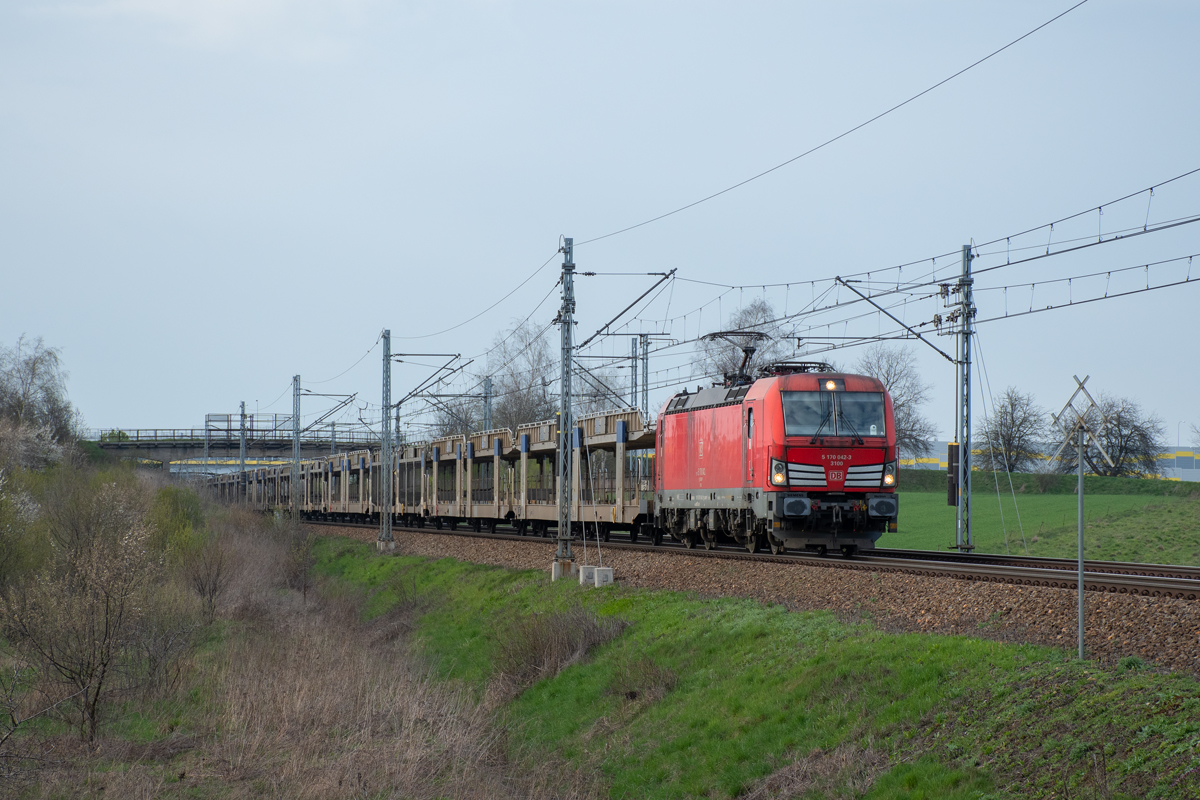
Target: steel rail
1152	580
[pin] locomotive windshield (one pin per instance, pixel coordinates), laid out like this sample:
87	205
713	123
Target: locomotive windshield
833	413
805	412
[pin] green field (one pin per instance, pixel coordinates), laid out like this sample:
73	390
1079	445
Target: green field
724	698
1126	519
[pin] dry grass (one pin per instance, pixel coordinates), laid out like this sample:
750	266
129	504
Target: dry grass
848	771
540	646
306	701
642	680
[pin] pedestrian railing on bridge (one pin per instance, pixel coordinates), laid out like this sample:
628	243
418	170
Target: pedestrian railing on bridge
198	436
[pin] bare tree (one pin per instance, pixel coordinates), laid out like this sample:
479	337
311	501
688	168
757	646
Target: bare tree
523	367
896	369
33	388
1195	437
456	416
723	356
76	618
1133	439
597	389
1012	437
208	571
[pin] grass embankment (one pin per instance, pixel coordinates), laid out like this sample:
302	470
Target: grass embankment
728	698
1127	519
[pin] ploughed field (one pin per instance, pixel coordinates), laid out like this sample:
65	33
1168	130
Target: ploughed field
1126	519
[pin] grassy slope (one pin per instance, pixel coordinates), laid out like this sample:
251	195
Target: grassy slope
756	687
1127	519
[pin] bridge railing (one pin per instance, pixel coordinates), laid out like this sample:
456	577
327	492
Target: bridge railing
198	436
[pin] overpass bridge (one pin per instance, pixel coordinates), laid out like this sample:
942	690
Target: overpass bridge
191	445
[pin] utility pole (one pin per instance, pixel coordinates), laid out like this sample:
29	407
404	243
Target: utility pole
965	540
633	372
386	542
294	484
645	376
563	558
487	404
332	438
242	451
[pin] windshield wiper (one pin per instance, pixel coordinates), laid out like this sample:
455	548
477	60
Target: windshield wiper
842	418
828	415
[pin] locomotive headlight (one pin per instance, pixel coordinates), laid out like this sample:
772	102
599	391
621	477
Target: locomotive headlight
830	385
889	474
778	472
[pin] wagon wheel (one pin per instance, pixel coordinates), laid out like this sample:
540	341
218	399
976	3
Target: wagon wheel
605	530
848	550
437	523
477	524
656	538
633	535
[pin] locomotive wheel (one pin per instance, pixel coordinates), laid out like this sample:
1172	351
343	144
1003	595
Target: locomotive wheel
848	550
752	542
709	542
689	541
777	545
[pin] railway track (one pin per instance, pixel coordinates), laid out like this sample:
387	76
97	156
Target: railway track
1149	580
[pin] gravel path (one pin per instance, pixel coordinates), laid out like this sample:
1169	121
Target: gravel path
1165	631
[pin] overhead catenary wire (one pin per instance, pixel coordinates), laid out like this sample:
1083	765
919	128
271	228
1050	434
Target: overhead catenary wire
1007	465
532	275
842	135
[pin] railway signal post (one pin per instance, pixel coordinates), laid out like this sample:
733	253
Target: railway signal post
1080	426
564	559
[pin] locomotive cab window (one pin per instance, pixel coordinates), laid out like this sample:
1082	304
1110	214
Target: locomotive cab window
833	414
861	413
804	413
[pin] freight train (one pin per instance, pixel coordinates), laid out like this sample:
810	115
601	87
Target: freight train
800	458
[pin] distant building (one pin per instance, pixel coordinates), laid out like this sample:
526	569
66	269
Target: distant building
1174	463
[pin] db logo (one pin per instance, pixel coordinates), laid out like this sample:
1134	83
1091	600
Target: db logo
837	476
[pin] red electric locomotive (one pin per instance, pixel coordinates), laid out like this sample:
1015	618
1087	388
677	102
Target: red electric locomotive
802	458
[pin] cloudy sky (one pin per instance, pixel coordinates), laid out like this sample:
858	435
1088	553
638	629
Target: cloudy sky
200	199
